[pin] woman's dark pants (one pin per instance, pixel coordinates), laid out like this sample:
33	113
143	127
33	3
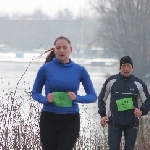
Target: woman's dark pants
59	131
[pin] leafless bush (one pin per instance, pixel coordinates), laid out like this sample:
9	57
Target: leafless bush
19	126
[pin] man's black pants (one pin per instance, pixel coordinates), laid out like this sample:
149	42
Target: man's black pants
115	134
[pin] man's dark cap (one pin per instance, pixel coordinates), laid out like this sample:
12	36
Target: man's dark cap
126	59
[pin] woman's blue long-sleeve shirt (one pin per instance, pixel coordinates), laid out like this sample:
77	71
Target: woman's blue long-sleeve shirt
58	77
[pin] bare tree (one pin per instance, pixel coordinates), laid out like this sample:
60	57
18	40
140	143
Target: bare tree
37	15
65	14
125	29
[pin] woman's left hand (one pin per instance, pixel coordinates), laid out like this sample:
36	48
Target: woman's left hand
72	96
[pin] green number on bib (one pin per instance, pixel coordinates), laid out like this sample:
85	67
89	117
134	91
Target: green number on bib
61	99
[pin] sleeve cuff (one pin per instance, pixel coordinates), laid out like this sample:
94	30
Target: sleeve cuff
103	114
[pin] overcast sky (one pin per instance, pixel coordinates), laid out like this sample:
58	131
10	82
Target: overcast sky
49	7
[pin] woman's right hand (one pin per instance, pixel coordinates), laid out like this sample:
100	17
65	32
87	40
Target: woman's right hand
50	97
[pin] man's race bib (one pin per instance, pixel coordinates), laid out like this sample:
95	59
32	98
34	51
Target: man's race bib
62	99
124	104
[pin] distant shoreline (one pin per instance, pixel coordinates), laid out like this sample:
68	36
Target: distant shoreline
20	57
